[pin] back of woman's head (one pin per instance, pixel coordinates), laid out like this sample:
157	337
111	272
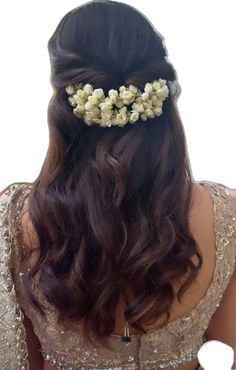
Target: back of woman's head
110	205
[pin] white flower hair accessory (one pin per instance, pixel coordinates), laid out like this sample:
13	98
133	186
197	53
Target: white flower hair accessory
96	108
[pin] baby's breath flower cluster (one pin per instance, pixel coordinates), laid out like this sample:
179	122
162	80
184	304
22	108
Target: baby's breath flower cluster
95	108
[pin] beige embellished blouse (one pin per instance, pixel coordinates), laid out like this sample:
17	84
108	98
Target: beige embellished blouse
167	348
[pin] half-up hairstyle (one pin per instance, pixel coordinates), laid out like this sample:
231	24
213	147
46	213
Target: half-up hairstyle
111	205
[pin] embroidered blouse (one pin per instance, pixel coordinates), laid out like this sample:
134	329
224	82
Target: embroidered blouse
173	345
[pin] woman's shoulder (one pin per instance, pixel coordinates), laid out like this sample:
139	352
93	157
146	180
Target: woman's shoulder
212	211
13	186
217	191
14	212
11	195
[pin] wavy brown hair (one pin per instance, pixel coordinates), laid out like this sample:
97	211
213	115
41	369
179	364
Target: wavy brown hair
111	205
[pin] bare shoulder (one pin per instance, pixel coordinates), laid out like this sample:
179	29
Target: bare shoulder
200	194
201	210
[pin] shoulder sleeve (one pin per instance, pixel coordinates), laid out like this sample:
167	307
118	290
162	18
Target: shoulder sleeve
13	349
225	215
10	188
232	210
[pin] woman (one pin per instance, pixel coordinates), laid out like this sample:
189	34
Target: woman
114	257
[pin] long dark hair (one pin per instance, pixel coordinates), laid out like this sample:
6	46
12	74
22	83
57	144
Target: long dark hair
111	205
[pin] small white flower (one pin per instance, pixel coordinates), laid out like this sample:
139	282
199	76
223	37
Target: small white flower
113	118
87	121
156	102
145	96
148	88
103	124
122	89
119	104
121	119
113	92
78	100
163	92
94	113
72	101
139	99
133	89
88	106
157	111
162	82
70	89
93	100
127	96
134	116
113	99
90	115
80	108
156	85
81	94
138	107
106	116
143	117
88	89
149	113
99	93
166	90
78	114
123	109
159	104
127	102
122	124
147	104
105	106
97	120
